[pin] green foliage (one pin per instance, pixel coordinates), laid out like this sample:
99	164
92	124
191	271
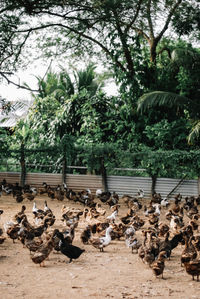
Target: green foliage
187	21
167	136
160	98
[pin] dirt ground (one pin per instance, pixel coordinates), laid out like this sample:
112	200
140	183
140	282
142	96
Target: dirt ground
115	273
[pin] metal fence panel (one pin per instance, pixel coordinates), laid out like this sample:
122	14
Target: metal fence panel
76	182
120	184
187	188
129	185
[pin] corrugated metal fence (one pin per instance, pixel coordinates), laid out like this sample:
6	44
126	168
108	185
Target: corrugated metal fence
74	181
130	185
120	184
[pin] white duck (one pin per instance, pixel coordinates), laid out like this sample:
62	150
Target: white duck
113	216
164	202
46	208
102	242
157	209
99	192
133	243
174	223
129	232
140	193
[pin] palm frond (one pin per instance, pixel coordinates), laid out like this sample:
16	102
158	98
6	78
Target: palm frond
160	98
182	56
194	134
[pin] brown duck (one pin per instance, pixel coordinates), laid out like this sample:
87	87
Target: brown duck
43	251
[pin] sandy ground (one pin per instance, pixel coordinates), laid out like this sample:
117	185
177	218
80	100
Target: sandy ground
115	273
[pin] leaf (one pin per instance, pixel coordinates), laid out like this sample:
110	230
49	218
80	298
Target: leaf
160	98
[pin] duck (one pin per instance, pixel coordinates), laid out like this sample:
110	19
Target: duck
51	193
157	209
100	209
176	222
113	216
148	256
165	202
158	265
165	246
192	211
2	239
30	242
47	210
1	212
189	253
19	198
141	250
29	195
35	210
194	222
153	219
113	200
149	210
163	229
12	231
38	230
104	196
197	243
193	268
102	242
117	231
59	193
86	235
137	222
71	251
18	217
140	193
133	243
130	231
69	233
126	219
98	192
42	253
176	206
43	189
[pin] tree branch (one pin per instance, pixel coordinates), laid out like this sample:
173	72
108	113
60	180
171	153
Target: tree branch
165	49
4	75
150	20
82	34
135	17
168	19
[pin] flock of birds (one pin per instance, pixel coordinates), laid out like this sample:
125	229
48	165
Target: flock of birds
141	228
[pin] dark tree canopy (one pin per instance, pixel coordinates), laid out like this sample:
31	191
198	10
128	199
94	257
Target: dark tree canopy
111	27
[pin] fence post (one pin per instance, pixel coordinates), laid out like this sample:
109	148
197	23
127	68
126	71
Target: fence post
64	169
104	175
153	184
23	166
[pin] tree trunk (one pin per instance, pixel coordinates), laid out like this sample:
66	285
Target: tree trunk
64	168
23	166
153	45
153	185
104	175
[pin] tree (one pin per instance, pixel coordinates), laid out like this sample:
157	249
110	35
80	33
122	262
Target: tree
185	65
112	27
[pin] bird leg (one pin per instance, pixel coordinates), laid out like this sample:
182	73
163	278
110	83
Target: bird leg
42	264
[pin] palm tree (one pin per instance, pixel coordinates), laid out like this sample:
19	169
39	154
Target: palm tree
188	99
